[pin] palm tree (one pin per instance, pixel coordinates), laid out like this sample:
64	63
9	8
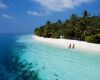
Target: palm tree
73	24
48	22
84	22
59	21
85	19
85	14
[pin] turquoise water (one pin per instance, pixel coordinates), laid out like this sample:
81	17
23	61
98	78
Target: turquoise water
54	63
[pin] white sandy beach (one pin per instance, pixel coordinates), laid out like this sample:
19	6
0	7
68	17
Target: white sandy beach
80	45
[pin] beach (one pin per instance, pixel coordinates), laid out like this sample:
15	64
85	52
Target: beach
64	43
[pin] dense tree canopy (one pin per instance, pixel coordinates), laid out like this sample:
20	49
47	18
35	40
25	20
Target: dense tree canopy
83	27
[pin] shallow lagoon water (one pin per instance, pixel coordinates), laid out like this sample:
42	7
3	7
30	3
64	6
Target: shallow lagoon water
55	63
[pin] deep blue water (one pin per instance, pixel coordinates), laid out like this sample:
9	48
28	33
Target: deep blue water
6	41
9	64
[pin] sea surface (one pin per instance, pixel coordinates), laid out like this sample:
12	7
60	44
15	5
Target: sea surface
23	58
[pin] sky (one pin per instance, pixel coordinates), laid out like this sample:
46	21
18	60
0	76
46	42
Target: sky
23	16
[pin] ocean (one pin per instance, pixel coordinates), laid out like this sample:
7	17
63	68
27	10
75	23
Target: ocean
23	58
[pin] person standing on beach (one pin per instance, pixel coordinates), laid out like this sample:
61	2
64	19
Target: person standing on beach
73	46
69	46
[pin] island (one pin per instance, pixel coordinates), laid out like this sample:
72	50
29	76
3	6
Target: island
83	28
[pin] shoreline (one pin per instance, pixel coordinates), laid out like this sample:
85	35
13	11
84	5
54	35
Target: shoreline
64	43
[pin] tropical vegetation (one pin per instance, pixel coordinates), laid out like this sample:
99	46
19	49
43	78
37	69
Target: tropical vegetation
84	27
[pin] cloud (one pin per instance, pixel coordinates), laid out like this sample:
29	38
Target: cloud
2	5
34	13
6	16
60	5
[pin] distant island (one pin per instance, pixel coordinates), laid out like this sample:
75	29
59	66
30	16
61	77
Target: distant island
84	28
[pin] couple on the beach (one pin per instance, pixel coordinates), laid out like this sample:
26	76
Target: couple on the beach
71	46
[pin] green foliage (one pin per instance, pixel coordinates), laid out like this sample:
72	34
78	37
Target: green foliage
56	35
93	38
76	27
39	31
